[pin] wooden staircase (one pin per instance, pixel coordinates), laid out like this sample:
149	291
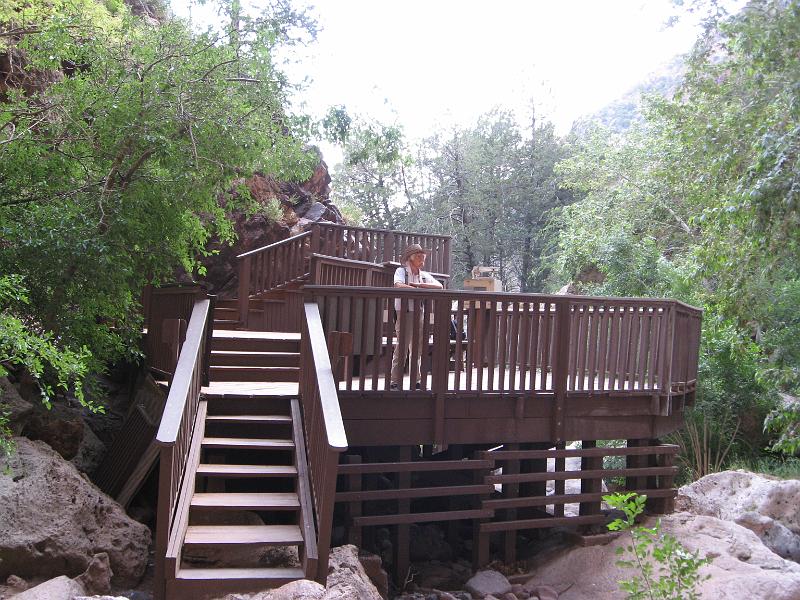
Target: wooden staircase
250	486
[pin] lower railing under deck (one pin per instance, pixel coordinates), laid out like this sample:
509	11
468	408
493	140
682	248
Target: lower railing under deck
501	491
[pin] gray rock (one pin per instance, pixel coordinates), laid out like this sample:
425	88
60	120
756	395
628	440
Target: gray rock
733	495
19	409
53	521
346	577
742	566
773	533
60	588
90	453
96	579
487	583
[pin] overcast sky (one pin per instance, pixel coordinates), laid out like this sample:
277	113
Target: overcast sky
427	64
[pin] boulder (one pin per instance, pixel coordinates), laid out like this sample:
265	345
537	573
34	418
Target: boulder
90	452
742	566
19	410
346	577
301	204
59	588
488	583
373	567
96	579
767	506
53	521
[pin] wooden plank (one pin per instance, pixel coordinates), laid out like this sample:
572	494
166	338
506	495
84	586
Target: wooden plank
407	519
252	443
581	452
265	573
600	473
422	492
541	523
246	501
243	471
232	535
420	466
530	501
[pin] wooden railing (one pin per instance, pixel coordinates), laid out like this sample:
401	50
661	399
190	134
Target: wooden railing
328	270
278	265
271	267
379	245
324	430
166	315
511	343
175	441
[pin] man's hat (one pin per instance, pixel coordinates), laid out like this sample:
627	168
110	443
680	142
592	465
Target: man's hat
412	250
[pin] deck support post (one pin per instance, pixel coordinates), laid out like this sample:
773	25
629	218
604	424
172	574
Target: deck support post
441	361
559	485
561	367
590	486
634	462
402	548
510	490
354	509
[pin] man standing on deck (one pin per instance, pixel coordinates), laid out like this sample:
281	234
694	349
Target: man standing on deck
410	275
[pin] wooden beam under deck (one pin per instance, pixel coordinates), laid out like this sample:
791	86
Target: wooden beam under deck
399	418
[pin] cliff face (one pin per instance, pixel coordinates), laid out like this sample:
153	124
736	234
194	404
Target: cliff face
301	205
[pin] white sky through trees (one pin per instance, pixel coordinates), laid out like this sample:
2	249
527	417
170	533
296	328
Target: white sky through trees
431	64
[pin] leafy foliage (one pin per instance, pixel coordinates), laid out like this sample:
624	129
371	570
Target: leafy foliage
677	576
111	171
699	201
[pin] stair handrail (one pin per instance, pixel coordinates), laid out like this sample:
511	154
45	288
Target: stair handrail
174	435
270	267
323	426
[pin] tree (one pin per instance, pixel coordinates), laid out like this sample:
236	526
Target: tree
119	137
372	175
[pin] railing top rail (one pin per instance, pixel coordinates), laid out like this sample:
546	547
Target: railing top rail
416	233
353	262
179	389
328	395
503	296
288	240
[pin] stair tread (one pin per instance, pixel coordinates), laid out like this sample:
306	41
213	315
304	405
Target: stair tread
249	418
227	442
242	573
255	353
252	368
246	470
246	500
243	534
263	335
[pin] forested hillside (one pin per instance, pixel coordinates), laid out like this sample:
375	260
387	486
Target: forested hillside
696	198
120	135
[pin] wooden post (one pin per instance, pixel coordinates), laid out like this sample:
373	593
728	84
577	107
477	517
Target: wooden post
561	367
244	291
163	521
440	367
388	246
589	486
354	509
402	556
315	241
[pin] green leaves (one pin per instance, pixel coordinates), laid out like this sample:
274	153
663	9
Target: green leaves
116	156
666	570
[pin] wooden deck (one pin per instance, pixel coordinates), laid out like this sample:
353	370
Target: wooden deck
485	441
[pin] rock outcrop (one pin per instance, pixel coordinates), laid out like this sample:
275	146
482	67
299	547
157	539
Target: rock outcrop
769	507
53	521
300	204
742	566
